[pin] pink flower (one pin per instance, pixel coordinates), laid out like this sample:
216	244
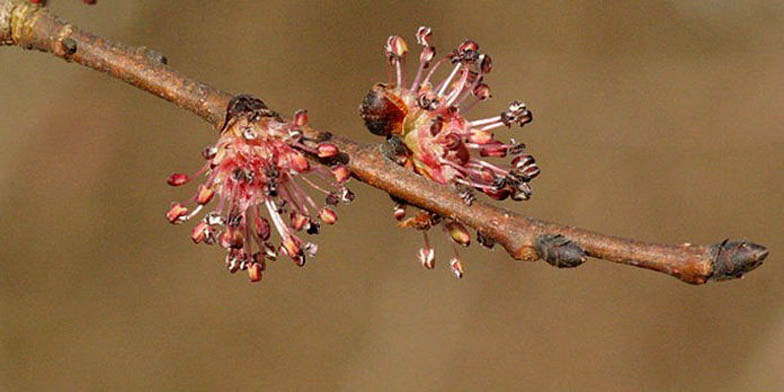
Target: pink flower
427	117
258	172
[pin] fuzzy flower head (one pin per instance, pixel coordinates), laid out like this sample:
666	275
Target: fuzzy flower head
425	122
428	118
257	173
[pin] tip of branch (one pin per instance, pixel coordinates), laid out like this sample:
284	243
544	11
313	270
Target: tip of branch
732	259
559	251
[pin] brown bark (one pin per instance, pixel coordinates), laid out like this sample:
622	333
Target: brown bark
32	27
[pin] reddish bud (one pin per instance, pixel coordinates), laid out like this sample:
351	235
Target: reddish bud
458	232
178	179
231	239
427	257
328	215
254	272
396	46
399	212
327	150
341	173
481	91
300	118
298	221
456	267
200	232
204	194
176	213
298	162
468	46
290	247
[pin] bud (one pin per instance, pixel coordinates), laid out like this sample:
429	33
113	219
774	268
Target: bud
300	118
427	257
399	212
396	47
458	232
327	150
231	239
482	91
204	194
457	267
290	248
341	173
178	179
468	46
328	215
254	272
298	162
200	232
176	213
298	221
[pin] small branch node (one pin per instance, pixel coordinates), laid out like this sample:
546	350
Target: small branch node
559	251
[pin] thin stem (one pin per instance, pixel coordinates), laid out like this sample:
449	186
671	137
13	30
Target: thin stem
29	26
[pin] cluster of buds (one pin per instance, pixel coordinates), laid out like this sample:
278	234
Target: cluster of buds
427	119
258	164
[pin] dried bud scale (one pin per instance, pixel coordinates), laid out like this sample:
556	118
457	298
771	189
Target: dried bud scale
427	116
258	172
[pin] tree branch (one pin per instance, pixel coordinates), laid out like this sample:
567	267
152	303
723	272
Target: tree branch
32	27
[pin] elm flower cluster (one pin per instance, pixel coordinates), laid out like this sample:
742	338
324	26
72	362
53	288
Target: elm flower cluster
258	172
426	121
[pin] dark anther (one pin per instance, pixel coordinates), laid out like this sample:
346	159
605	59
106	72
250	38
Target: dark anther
271	188
732	259
347	196
70	46
559	251
499	182
313	228
332	199
485	240
517	149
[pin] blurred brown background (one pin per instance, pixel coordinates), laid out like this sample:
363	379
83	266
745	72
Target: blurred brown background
659	121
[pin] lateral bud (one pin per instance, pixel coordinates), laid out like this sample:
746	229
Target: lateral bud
559	251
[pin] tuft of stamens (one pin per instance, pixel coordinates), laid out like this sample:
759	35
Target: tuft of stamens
428	118
258	172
